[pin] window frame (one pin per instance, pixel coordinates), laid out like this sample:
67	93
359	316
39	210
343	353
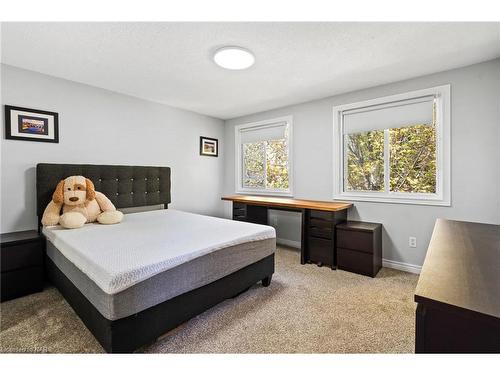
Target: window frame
239	188
442	197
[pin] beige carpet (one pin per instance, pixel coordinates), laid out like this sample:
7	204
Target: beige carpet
305	310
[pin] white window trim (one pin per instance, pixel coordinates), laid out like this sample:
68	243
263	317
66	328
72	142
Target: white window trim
238	158
443	152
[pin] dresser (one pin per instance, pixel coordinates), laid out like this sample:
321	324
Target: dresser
21	264
458	291
359	247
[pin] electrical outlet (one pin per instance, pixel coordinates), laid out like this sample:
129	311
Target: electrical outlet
412	241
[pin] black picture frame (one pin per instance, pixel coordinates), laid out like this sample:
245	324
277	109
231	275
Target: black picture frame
44	136
203	152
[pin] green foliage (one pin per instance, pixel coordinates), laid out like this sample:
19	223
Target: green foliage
277	164
412	160
365	161
265	164
254	155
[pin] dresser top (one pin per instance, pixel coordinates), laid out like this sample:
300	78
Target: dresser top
288	202
462	267
17	237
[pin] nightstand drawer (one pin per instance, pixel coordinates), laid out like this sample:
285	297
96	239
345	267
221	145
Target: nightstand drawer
21	282
21	256
355	240
355	261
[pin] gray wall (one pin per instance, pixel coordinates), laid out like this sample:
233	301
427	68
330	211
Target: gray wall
99	126
475	127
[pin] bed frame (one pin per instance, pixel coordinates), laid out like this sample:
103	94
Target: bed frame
137	186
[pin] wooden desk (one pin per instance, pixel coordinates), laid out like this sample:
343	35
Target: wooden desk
318	222
458	292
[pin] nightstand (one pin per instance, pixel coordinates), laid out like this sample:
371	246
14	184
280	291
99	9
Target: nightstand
21	261
359	247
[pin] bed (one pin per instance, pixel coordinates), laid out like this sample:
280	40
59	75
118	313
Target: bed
131	283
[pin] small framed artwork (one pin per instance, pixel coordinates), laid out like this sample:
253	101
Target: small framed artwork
209	146
28	124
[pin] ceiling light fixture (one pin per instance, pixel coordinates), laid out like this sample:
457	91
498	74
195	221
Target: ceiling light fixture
234	58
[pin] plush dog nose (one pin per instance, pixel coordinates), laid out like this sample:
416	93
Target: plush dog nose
73	199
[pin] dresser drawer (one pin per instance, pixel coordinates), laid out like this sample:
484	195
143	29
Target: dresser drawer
355	240
239	211
21	282
321	232
356	261
320	250
238	205
320	223
21	256
323	215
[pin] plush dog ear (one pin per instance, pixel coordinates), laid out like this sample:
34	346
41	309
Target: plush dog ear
58	196
90	190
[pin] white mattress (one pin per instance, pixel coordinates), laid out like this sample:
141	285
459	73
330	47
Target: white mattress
145	244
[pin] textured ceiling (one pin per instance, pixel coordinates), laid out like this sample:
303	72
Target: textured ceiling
295	62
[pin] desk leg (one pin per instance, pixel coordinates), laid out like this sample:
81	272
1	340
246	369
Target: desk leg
303	237
339	217
257	214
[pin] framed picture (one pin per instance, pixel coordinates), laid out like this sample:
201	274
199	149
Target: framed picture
28	124
209	146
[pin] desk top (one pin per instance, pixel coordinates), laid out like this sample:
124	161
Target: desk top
462	267
289	203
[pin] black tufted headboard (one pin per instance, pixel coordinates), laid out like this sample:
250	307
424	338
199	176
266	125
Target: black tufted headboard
125	186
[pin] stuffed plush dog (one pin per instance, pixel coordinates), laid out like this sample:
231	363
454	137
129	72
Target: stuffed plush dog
80	204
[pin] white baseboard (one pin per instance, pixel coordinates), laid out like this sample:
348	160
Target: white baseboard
284	241
401	266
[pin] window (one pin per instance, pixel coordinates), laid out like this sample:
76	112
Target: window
394	149
263	157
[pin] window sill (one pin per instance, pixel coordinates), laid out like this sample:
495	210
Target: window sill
411	201
268	193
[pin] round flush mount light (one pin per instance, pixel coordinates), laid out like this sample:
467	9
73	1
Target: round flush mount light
234	58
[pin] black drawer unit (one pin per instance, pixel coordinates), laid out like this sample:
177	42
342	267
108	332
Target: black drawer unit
21	264
319	237
359	247
249	213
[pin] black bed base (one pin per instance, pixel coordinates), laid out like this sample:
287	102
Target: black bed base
130	333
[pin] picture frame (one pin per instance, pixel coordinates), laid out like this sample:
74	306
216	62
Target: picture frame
28	124
209	146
